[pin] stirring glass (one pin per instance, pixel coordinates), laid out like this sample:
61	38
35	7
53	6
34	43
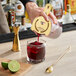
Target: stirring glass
36	50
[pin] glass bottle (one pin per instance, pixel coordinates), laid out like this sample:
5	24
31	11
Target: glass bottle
57	8
67	17
19	8
10	9
8	6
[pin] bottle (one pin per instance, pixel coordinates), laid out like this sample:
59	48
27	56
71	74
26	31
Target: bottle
19	8
57	8
9	19
10	9
8	6
67	18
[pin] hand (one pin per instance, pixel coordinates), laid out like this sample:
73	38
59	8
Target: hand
34	11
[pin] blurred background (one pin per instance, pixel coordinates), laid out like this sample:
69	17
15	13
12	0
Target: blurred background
64	10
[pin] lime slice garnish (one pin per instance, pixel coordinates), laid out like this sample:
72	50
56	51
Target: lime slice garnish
13	66
4	65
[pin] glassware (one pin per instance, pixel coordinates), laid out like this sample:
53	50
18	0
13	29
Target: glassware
9	6
58	12
49	29
67	18
57	8
36	50
10	10
19	8
56	30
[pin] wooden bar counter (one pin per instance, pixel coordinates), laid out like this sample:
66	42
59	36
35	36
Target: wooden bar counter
54	48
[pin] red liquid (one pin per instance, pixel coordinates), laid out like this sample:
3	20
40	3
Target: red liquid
36	50
38	37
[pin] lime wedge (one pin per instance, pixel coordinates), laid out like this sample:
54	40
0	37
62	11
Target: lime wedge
4	65
13	66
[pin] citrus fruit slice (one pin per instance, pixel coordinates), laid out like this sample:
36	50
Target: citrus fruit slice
4	65
13	66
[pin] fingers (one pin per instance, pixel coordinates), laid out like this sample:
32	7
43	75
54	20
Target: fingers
41	8
40	12
31	20
44	15
51	15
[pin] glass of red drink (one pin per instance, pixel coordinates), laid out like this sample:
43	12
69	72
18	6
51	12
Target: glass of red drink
36	50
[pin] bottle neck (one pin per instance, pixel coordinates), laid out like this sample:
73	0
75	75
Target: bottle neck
68	8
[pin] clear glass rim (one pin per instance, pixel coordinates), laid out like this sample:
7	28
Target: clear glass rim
35	39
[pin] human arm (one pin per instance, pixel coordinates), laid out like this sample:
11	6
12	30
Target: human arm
34	11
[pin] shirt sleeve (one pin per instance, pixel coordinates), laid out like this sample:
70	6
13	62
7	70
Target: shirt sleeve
25	1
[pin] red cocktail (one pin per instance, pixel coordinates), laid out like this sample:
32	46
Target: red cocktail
36	51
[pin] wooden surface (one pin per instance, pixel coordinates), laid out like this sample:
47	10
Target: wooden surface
23	68
54	48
